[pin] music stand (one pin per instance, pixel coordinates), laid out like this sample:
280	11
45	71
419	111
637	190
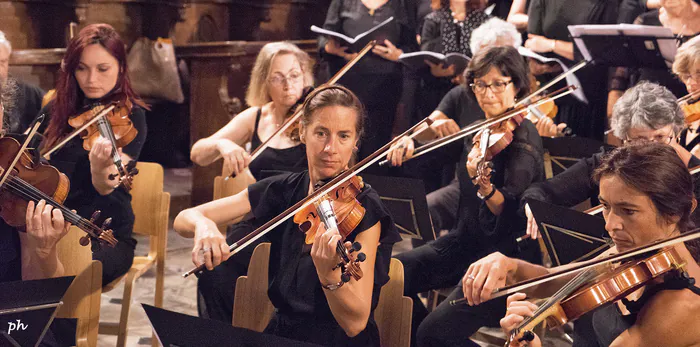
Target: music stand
569	235
625	45
564	152
180	330
27	309
405	199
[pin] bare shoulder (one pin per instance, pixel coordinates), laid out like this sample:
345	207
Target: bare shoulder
671	315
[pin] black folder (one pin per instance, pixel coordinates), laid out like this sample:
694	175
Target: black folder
180	330
569	235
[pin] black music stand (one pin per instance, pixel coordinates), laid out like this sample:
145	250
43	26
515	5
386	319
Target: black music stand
564	152
569	235
27	309
624	45
180	330
405	199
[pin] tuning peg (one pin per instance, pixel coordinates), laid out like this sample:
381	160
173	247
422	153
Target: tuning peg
361	257
106	223
112	176
345	277
356	246
95	216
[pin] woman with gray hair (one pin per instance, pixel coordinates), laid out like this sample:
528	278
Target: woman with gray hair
647	112
494	32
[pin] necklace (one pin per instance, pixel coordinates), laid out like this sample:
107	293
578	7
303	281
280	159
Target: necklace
371	12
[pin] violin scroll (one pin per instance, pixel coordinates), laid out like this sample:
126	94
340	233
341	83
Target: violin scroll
349	264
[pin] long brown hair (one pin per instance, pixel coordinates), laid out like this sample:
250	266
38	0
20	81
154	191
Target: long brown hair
69	96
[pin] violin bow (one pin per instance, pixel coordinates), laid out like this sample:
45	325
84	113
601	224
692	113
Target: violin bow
471	129
688	97
297	114
302	204
47	155
525	102
588	264
31	134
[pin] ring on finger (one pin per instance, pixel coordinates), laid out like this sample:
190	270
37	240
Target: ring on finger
206	249
471	277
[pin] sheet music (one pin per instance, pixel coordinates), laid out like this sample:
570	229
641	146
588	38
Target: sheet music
570	79
664	37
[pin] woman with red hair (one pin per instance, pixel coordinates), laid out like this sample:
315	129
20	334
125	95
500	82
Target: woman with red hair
94	71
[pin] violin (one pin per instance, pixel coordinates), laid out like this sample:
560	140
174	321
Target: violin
32	181
492	140
548	109
691	107
113	125
574	300
340	209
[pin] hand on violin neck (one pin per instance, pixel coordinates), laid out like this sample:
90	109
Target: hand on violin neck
101	154
325	255
45	226
517	309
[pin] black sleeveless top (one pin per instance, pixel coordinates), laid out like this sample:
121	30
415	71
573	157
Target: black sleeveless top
273	161
607	322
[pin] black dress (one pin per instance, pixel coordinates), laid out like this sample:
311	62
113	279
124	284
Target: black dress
73	160
302	312
377	82
550	18
216	289
274	160
442	263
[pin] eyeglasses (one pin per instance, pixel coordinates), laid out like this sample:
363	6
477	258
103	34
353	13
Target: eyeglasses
662	139
496	86
279	80
686	76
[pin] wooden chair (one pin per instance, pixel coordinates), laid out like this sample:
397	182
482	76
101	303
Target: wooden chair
394	311
82	300
253	310
151	207
224	188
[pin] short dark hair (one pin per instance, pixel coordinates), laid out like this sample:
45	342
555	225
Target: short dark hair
508	62
335	95
655	170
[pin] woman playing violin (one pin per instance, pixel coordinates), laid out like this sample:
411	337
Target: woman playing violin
281	73
31	254
647	194
303	287
487	204
687	67
94	71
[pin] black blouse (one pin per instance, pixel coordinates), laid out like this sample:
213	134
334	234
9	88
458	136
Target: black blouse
516	168
442	34
295	289
352	17
275	160
73	160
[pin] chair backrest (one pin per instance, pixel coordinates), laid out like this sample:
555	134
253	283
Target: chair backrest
252	308
232	186
151	206
82	300
394	311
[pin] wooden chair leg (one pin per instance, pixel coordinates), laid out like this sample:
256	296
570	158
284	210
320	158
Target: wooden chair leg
158	301
126	309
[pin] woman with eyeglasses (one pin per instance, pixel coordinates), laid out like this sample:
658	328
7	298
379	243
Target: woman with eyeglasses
687	67
487	218
281	73
647	112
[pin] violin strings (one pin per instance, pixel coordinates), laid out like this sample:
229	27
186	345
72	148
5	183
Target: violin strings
30	192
